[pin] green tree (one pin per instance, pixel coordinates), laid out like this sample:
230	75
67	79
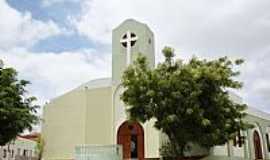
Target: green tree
189	101
17	111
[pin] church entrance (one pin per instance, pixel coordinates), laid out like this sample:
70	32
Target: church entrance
257	145
131	136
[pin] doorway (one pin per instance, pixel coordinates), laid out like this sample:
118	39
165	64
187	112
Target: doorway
131	136
257	146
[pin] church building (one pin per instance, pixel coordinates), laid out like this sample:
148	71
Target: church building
93	113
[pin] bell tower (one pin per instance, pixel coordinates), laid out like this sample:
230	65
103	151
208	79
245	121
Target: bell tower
128	40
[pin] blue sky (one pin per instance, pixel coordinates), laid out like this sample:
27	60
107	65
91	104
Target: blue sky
59	14
59	44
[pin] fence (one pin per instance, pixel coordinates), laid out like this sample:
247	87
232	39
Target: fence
98	152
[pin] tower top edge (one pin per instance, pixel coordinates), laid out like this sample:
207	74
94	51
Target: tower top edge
131	20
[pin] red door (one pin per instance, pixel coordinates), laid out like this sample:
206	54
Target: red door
131	136
257	145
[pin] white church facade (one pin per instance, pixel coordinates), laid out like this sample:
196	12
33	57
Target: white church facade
94	114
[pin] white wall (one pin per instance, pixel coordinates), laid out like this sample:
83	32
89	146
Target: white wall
151	135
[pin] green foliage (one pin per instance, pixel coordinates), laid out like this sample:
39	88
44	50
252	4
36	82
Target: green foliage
170	151
190	101
17	112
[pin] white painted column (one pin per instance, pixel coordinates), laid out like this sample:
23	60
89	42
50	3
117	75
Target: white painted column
246	145
229	149
264	145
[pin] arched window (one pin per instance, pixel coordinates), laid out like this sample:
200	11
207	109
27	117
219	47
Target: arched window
5	153
239	139
12	153
267	142
257	145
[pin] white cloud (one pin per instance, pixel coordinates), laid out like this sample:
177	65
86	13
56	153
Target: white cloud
52	74
20	29
238	29
192	25
204	28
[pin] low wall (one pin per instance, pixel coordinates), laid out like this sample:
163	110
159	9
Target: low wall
25	158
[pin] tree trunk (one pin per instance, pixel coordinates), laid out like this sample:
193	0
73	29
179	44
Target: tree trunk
179	147
182	150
